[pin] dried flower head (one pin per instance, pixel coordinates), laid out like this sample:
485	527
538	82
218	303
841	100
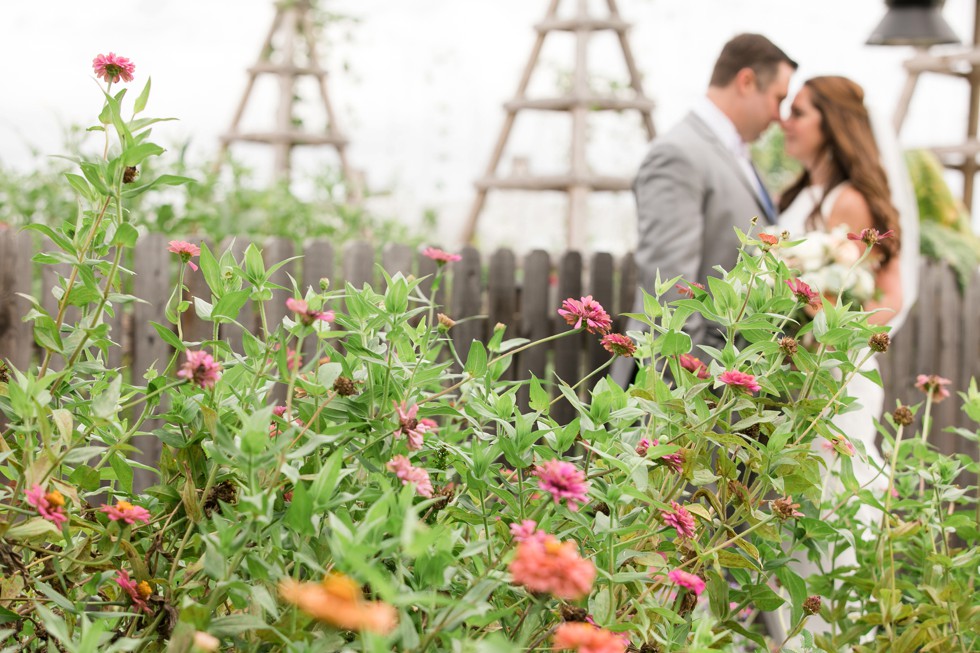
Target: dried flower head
337	600
804	293
812	605
879	342
643	447
563	480
4	373
573	613
345	386
619	345
549	566
130	174
934	386
784	508
870	236
200	369
112	68
445	321
903	416
789	345
588	311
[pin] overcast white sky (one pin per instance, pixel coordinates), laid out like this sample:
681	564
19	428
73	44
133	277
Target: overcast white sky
418	85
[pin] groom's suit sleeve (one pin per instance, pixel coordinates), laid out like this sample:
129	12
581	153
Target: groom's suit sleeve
670	220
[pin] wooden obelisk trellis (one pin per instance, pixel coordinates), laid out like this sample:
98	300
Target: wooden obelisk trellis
288	53
580	181
966	65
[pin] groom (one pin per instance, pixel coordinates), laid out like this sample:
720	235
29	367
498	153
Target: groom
697	182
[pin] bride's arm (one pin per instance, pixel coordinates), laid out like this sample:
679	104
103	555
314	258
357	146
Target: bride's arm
852	209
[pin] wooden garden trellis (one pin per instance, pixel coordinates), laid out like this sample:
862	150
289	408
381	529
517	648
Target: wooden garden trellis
579	181
293	38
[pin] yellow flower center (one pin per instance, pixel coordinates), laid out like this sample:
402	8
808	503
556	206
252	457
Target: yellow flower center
552	546
341	587
55	498
124	505
144	589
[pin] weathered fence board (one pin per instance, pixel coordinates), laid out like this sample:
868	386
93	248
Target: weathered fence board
16	339
536	312
568	350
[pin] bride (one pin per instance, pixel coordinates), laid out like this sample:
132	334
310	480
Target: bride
845	182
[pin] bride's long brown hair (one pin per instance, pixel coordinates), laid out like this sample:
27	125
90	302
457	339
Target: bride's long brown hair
850	142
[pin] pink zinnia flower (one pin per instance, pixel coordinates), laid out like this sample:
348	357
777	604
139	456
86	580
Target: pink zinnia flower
694	365
440	256
687	581
870	236
413	429
680	519
111	67
585	637
563	480
619	345
547	565
804	293
200	369
674	460
138	592
688	290
186	251
933	385
127	512
305	315
526	530
738	379
408	473
51	505
586	309
643	447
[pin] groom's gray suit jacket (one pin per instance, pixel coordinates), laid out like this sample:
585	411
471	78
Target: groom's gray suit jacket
690	194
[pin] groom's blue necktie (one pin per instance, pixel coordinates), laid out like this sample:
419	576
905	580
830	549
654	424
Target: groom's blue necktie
764	196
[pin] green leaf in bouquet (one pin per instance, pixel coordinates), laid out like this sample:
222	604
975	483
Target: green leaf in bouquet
230	305
123	471
143	97
162	180
476	360
168	336
136	154
105	403
539	399
673	343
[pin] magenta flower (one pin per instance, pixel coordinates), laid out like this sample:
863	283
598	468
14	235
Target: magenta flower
933	385
186	251
200	369
305	314
680	519
526	530
687	581
804	293
694	365
674	460
440	256
411	427
870	236
587	310
51	506
738	379
619	345
127	512
563	481
643	447
408	473
688	290
138	592
111	67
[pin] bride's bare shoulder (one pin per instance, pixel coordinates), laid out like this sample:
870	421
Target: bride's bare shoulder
850	208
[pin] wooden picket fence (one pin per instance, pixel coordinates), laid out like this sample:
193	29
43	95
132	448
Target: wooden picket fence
940	335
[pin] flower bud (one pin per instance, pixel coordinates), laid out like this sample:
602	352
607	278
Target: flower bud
879	342
446	322
206	642
324	284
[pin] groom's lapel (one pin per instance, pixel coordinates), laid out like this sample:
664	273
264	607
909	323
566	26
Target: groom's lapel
725	155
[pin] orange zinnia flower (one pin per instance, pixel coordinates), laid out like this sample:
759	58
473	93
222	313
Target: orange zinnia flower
337	601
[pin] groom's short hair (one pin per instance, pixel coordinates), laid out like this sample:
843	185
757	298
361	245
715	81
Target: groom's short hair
749	51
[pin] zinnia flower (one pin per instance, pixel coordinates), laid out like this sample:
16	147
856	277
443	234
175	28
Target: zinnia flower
694	365
563	480
785	508
738	379
687	581
111	67
804	293
933	385
51	506
527	529
643	447
440	256
769	240
586	309
619	345
200	369
870	236
413	429
138	592
549	566
680	519
186	251
337	601
689	289
305	314
674	460
583	637
408	473
127	512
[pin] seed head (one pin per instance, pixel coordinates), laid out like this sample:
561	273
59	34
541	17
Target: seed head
879	342
903	416
344	386
789	345
812	605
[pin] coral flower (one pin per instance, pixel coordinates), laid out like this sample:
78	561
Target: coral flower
694	365
51	506
769	239
127	512
440	256
527	530
738	379
186	251
587	310
138	592
804	293
687	581
337	601
412	428
933	385
408	473
200	369
680	519
111	67
619	345
585	638
563	480
305	314
553	567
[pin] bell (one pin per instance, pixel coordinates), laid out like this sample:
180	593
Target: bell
913	22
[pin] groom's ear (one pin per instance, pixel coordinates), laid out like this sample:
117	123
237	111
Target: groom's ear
746	81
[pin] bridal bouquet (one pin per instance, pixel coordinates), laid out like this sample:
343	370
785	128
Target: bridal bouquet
829	262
